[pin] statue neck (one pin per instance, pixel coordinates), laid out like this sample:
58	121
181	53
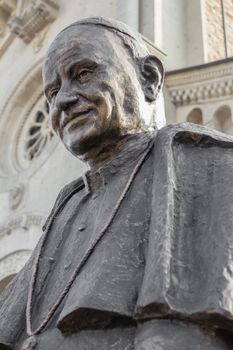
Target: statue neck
105	152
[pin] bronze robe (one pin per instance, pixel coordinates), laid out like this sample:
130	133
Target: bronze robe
161	277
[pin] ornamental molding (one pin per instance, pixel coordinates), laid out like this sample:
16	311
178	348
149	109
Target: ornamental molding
205	84
23	221
13	263
31	17
26	19
16	195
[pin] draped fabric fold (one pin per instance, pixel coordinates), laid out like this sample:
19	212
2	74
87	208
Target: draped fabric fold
189	266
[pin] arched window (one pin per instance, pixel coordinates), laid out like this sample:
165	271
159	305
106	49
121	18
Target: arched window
195	116
222	120
28	140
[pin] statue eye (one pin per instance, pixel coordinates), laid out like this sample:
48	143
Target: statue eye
84	74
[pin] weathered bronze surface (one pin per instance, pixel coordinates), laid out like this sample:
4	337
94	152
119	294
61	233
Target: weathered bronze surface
29	343
138	253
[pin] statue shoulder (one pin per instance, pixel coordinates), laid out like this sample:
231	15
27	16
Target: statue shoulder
198	134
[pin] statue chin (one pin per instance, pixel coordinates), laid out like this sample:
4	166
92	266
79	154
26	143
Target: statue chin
80	142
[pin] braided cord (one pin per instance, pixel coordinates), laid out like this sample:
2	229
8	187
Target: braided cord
36	265
85	257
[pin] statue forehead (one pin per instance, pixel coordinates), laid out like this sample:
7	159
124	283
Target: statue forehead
85	41
82	36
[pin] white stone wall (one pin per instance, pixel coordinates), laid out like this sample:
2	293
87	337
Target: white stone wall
182	32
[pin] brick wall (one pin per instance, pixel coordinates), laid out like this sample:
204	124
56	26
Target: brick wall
214	29
228	6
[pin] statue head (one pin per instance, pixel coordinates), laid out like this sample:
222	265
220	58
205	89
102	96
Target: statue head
100	81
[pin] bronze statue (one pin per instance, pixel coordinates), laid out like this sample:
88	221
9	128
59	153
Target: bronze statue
138	253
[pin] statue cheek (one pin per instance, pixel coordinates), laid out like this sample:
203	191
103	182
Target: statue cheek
55	117
95	96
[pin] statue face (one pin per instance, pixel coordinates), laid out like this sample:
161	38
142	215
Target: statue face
92	86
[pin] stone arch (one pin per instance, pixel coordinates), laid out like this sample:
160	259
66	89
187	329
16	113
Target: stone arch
223	119
5	281
11	264
18	118
195	116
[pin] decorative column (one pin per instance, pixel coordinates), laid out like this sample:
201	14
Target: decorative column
150	20
128	12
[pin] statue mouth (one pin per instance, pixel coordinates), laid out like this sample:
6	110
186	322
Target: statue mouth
81	114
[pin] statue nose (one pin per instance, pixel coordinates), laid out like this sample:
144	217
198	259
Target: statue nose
65	101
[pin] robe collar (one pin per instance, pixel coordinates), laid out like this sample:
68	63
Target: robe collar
133	147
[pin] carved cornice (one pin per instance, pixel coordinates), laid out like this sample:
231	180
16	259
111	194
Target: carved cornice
21	221
31	17
25	19
206	83
13	263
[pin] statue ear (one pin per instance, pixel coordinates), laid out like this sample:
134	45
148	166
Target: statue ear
152	73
